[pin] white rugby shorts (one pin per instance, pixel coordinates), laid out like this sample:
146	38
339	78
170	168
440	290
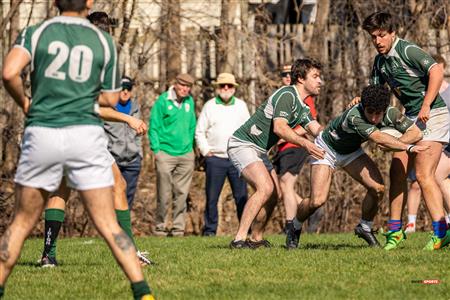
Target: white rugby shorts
242	154
332	158
77	152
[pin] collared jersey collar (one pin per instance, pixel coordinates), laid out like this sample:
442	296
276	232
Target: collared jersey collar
72	19
172	96
392	50
220	101
298	93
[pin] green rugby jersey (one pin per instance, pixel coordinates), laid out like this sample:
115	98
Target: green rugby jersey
348	131
72	61
284	103
406	70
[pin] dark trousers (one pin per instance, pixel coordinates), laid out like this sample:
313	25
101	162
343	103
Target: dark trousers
217	169
130	173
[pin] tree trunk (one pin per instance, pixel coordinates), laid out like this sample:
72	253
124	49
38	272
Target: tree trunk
170	63
227	44
318	45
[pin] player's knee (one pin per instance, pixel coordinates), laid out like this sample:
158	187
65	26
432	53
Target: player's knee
317	202
267	189
423	177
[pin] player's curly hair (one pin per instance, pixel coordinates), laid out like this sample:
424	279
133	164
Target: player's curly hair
301	67
100	19
379	20
70	5
375	98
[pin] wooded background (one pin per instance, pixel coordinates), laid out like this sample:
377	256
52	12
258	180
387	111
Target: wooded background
159	39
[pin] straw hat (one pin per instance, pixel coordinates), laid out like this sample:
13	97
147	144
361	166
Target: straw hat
286	69
225	78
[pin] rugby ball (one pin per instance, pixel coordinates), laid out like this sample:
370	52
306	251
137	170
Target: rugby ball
391	131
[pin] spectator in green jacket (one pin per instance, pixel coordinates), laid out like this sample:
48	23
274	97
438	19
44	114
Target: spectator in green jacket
172	130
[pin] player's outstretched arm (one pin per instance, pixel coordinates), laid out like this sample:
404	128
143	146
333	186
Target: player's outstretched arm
394	144
16	60
412	135
110	114
282	129
314	128
108	99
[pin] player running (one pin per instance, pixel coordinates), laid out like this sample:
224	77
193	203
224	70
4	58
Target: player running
341	140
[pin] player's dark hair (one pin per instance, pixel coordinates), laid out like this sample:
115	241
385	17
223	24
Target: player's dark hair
379	20
301	67
439	59
70	5
100	19
375	98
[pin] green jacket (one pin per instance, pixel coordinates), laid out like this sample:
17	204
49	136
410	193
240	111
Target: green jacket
172	127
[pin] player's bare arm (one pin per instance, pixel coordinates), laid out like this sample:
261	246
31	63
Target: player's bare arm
314	128
392	143
108	98
282	129
110	114
412	135
436	76
16	60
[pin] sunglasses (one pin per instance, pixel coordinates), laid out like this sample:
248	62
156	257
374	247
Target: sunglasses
286	74
224	85
127	89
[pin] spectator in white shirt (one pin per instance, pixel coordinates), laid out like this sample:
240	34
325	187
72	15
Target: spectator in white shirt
219	118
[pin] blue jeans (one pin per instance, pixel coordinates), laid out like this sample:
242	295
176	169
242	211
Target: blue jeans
130	173
217	169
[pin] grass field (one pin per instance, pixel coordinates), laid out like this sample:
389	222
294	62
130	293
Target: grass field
327	266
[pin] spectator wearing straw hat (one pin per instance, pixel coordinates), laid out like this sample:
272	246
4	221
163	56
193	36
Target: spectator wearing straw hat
171	135
219	118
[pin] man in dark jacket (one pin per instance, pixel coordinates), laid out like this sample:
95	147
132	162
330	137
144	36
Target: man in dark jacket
125	143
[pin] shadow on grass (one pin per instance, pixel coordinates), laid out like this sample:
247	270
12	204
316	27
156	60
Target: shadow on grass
28	264
310	246
63	264
220	246
307	246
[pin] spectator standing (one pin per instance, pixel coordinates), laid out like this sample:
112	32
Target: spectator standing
171	134
219	118
286	75
125	144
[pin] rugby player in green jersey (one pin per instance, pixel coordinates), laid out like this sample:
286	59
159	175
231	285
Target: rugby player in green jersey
248	146
342	140
55	210
73	65
415	78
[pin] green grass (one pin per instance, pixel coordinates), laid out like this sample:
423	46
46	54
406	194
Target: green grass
327	266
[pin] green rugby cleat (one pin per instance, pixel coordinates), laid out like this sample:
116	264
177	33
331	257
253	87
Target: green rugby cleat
436	243
393	239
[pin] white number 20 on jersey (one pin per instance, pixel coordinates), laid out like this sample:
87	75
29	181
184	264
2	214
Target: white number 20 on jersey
80	62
